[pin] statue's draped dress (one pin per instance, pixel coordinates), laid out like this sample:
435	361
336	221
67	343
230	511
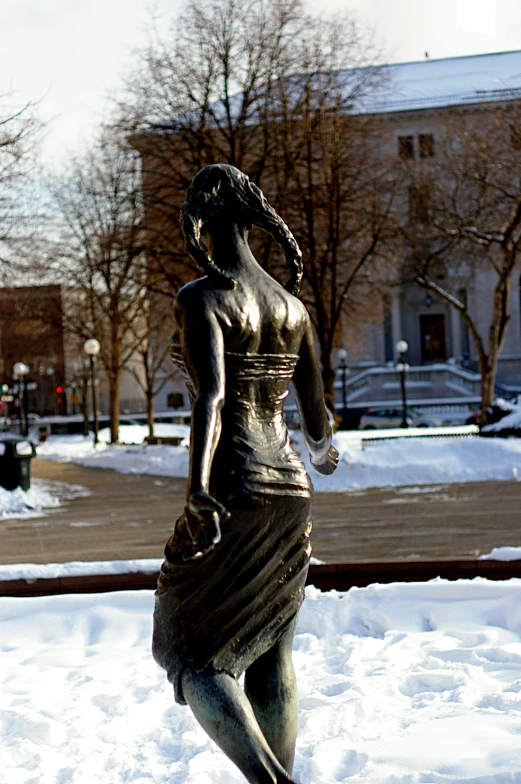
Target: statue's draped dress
221	611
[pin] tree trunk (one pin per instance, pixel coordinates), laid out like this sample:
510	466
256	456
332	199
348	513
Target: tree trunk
114	384
328	380
488	369
150	413
85	407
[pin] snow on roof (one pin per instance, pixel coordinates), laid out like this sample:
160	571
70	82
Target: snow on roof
424	84
452	81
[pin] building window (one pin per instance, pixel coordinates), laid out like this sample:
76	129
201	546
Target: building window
406	146
426	145
175	400
418	205
432	336
388	330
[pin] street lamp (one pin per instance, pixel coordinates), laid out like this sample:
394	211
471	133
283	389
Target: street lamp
6	399
91	348
342	358
20	370
402	367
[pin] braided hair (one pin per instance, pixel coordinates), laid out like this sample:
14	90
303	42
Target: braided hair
221	190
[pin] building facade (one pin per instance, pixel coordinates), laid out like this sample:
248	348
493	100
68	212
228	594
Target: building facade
415	106
31	331
411	107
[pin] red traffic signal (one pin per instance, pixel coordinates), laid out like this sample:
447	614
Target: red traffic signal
59	390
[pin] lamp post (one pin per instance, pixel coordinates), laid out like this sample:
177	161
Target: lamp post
402	367
342	357
91	348
20	370
6	399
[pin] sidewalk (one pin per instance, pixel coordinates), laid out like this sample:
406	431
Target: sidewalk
132	516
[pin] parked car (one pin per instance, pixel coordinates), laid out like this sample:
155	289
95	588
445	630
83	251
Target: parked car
379	418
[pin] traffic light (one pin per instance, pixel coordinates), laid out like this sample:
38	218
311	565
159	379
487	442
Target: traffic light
59	392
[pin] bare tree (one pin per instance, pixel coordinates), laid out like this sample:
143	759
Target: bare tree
100	256
20	135
151	356
262	85
465	219
331	181
196	97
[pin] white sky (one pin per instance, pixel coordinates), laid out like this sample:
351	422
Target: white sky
71	53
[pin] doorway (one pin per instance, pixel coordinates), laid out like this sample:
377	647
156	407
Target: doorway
432	331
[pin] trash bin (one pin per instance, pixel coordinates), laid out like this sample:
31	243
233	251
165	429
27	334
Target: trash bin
15	462
44	431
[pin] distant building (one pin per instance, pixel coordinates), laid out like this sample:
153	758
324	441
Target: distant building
410	107
31	331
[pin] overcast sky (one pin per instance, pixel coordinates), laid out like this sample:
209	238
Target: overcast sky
70	54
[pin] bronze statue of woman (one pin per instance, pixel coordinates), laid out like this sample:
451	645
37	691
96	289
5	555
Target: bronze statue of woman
235	568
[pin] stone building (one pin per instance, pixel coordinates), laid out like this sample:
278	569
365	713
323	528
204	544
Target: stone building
411	107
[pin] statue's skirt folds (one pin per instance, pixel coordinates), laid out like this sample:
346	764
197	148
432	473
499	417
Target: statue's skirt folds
222	611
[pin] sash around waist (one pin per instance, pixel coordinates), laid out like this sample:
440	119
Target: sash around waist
259	367
249	367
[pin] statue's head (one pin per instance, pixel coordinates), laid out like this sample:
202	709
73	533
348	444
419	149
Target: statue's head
221	191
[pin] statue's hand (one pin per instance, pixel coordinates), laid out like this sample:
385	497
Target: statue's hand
328	463
203	515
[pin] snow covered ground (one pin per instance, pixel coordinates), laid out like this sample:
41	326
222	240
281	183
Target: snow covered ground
40	499
393	462
420	461
32	572
136	434
511	420
399	684
130	457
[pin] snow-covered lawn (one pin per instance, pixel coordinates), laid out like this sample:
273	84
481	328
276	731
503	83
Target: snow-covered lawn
421	461
399	684
41	498
136	434
131	457
394	462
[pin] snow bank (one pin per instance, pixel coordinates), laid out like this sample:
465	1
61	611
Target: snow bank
38	500
138	459
19	503
419	461
506	553
386	463
399	684
510	421
136	434
32	572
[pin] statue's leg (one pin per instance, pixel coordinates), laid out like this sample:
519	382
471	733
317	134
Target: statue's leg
271	688
222	709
